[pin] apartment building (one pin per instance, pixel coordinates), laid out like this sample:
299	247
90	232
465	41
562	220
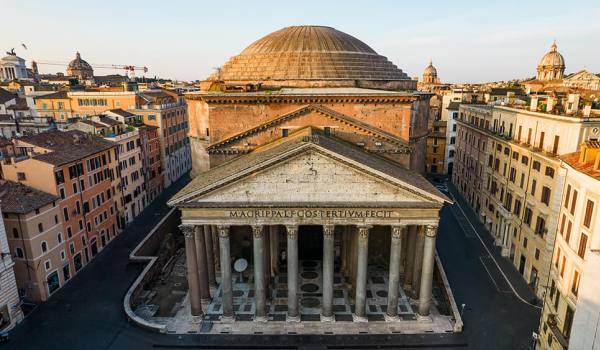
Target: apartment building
10	305
450	151
153	171
571	309
473	126
436	147
161	108
77	167
524	183
34	226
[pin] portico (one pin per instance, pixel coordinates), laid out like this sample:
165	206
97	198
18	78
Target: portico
315	198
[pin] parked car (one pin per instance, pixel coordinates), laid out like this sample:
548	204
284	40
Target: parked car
3	337
442	189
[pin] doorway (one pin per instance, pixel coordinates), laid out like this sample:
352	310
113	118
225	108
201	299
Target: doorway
522	264
310	242
94	246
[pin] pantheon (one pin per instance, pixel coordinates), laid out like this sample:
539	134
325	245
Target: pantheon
309	157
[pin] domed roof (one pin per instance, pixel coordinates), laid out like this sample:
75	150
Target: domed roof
308	52
78	63
553	58
430	70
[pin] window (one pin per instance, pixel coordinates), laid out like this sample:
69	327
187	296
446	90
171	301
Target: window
69	232
517	207
537	254
66	213
567	196
546	195
540	226
574	202
536	165
575	283
47	265
589	210
582	245
56	219
59	238
533	185
59	177
550	172
19	252
515	156
44	247
513	175
41	227
562	266
525	242
528	213
15	233
568	233
524	160
522	180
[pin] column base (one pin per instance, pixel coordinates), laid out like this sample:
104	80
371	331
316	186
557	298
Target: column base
197	319
262	319
327	318
413	301
424	319
359	319
206	301
292	319
389	318
228	319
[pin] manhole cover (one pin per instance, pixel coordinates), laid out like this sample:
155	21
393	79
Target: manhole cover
238	293
310	302
309	264
309	288
309	275
381	293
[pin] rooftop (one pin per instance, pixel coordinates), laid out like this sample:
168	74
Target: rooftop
66	146
16	198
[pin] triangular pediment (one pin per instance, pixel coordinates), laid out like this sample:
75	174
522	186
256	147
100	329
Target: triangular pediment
310	174
298	118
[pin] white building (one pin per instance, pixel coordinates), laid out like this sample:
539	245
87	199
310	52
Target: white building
10	306
12	67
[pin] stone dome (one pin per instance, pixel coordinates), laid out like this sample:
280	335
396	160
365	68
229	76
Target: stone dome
78	63
311	53
430	70
553	58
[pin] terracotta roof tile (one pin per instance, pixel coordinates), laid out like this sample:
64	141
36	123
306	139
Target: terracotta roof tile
17	198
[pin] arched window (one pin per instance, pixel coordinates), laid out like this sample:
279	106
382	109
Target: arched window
19	252
15	232
41	227
44	247
59	238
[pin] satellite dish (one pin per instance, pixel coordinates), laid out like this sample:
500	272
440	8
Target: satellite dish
240	266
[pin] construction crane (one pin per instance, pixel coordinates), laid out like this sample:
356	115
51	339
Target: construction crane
130	70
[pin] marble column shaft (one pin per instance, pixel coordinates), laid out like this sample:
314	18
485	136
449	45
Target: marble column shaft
394	273
328	265
292	271
274	249
192	270
260	313
210	257
410	257
418	264
428	268
267	252
360	312
202	264
226	278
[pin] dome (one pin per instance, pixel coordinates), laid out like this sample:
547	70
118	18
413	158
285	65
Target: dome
308	53
78	63
430	70
553	58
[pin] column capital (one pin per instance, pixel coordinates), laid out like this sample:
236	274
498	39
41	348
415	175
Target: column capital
431	230
188	230
223	230
257	231
399	230
328	231
363	231
292	231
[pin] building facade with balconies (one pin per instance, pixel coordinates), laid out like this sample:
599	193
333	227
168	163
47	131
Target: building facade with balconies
571	310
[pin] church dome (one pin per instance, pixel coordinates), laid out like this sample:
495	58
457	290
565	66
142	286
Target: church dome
78	63
553	58
308	53
430	70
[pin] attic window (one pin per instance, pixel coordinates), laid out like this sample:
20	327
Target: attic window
327	131
21	176
286	132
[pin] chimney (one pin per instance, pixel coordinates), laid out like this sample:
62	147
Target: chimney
587	110
534	102
550	104
573	103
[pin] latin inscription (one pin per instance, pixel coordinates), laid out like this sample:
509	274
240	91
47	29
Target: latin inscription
380	214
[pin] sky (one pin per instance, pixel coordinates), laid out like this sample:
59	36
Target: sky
468	41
